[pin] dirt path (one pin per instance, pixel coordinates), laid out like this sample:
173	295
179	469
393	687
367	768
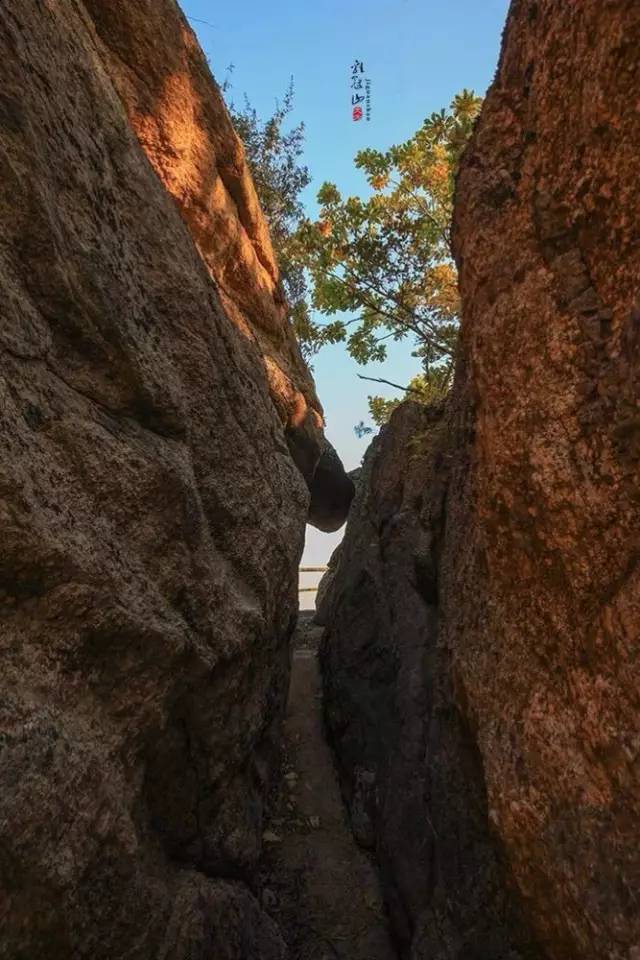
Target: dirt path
316	882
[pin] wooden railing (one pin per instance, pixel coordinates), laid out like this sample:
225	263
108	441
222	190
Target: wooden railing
310	570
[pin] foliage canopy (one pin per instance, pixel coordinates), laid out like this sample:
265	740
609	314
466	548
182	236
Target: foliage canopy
273	153
387	257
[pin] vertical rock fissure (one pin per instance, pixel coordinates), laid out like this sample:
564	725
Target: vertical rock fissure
314	880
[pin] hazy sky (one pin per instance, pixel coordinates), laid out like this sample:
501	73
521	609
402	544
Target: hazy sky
417	54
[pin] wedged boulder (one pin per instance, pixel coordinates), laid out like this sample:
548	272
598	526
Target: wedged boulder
151	515
332	491
481	656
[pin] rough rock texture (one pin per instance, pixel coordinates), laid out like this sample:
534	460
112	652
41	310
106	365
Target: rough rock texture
151	515
410	770
324	593
543	581
534	587
158	68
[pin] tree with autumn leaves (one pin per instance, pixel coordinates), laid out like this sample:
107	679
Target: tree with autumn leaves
375	269
381	265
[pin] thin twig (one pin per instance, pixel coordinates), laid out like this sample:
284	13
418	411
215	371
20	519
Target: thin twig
394	318
387	295
197	20
444	233
389	383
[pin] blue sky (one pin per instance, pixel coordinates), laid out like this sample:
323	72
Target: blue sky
417	54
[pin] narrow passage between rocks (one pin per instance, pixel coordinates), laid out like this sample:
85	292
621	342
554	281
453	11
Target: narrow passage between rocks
315	881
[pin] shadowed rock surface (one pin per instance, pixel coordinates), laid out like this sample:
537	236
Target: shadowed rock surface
410	770
332	491
503	625
322	889
152	516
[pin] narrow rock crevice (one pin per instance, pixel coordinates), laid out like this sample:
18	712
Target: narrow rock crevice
161	450
313	879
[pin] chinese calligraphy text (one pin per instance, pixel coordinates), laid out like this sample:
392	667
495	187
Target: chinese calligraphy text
360	92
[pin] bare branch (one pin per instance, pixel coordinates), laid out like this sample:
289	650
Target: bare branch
389	383
198	20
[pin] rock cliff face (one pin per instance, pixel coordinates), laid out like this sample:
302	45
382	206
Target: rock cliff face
152	515
162	76
481	656
410	768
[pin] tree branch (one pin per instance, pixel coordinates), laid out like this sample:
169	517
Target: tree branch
444	233
431	337
389	383
394	318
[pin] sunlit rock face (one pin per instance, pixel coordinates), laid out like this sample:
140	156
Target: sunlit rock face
543	584
152	516
162	76
176	111
520	547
